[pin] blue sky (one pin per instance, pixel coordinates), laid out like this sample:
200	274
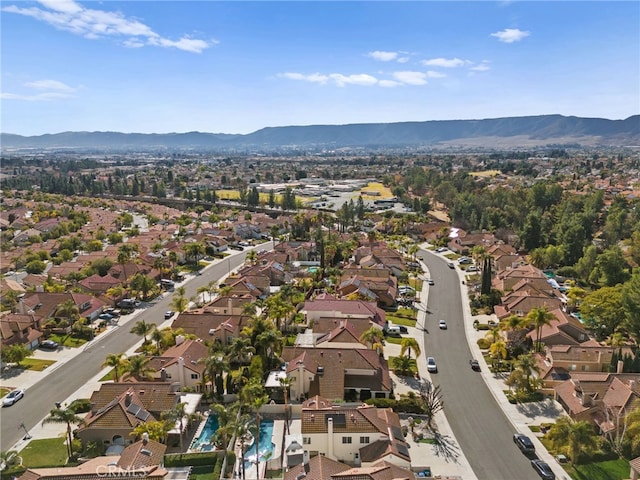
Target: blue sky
236	67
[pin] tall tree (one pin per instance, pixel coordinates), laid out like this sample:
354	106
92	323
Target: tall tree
138	368
143	329
538	317
118	362
575	436
409	344
68	417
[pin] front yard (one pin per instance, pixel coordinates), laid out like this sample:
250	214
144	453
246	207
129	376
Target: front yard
35	364
67	340
47	452
607	470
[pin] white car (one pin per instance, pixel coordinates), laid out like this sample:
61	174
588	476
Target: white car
12	397
431	365
442	324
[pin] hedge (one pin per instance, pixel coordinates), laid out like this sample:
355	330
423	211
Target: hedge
192	459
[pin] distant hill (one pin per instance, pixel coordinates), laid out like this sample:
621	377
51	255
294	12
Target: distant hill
508	132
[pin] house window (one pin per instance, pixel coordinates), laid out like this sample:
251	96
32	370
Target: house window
365	440
194	376
572	367
346	440
306	440
585	368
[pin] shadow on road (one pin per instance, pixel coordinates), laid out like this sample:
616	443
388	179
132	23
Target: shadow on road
446	448
546	408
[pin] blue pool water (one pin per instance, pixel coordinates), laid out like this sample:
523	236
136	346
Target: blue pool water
203	442
265	447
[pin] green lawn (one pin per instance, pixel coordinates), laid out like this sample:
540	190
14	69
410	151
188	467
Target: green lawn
35	364
407	322
109	376
4	391
47	452
609	470
67	340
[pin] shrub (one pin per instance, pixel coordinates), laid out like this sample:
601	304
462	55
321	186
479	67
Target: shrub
192	459
483	343
80	405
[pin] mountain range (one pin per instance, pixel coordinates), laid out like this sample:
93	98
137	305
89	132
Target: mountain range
508	132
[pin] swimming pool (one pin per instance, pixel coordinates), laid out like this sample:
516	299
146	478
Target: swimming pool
202	443
265	447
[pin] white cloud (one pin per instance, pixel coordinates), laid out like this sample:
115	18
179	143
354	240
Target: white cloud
314	77
510	35
481	67
434	74
70	16
383	56
50	85
34	98
445	62
389	83
357	79
411	78
403	59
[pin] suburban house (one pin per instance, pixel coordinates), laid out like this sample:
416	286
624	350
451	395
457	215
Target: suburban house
47	304
339	373
524	297
210	326
21	328
582	358
321	467
181	364
563	329
140	460
326	306
359	436
228	305
97	285
117	408
601	398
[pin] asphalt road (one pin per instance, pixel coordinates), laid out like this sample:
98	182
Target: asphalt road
481	428
62	382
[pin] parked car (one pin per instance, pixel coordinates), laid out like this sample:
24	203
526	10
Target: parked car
441	249
450	265
464	260
524	443
472	268
49	345
543	469
430	281
236	247
12	397
106	316
431	365
442	324
168	314
475	365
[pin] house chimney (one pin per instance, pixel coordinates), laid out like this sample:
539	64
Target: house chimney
181	371
179	339
330	438
620	366
163	375
145	438
300	379
127	399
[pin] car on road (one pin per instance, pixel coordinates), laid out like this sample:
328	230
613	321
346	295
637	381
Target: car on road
442	324
475	365
524	443
431	365
543	469
12	397
430	281
450	265
48	345
168	314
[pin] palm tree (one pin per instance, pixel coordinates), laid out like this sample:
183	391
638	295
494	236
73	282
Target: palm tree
157	336
240	351
528	366
201	291
285	383
373	336
498	350
117	361
215	366
409	344
176	414
179	302
138	368
575	436
68	416
269	344
254	395
114	293
125	253
538	317
143	328
69	310
633	430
